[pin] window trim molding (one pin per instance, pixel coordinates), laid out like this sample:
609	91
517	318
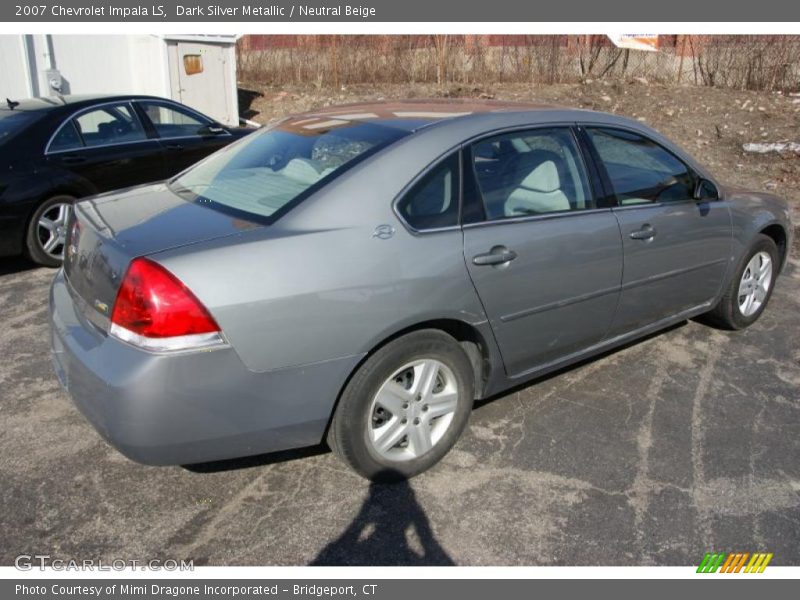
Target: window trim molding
542	217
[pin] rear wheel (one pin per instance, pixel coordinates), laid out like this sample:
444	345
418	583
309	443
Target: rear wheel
45	241
750	288
405	407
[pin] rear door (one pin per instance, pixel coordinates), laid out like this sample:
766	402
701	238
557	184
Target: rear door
186	135
108	146
544	255
676	248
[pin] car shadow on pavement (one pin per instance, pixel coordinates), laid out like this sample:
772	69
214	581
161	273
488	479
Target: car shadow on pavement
259	460
391	528
15	264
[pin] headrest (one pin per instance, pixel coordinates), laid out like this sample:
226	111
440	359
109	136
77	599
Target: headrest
544	178
302	170
105	130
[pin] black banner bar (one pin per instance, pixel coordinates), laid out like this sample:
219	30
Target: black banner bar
393	11
395	589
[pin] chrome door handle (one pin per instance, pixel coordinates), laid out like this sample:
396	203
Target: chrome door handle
646	233
497	256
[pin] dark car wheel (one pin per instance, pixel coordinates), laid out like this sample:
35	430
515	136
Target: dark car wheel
750	288
405	407
45	240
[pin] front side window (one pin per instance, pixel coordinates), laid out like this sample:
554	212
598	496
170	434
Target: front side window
531	173
641	171
173	121
111	124
433	201
269	169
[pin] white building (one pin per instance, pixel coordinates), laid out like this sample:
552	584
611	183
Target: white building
197	70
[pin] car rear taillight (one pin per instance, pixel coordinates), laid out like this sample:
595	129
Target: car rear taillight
156	311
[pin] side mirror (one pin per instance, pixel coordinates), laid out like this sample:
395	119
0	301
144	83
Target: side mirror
211	130
705	190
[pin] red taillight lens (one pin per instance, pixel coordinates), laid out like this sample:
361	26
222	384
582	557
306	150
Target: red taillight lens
153	303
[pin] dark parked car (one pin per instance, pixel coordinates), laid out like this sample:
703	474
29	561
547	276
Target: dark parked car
55	150
363	273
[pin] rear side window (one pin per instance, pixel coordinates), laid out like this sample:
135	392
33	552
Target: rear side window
67	138
112	124
433	201
531	173
641	171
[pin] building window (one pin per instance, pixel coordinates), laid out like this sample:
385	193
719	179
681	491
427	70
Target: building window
192	64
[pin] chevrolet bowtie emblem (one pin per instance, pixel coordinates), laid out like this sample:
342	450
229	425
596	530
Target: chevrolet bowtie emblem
383	232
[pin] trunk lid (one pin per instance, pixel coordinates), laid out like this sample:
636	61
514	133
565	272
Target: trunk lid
110	230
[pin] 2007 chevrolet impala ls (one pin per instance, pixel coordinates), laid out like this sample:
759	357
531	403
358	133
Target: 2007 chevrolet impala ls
363	273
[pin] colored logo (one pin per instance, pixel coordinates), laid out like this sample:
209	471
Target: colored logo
734	562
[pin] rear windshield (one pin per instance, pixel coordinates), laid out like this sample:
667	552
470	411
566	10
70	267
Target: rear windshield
14	121
269	170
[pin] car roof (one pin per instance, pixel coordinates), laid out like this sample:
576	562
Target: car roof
48	103
409	115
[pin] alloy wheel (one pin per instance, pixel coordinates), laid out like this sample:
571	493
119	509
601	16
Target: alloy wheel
412	410
51	229
755	284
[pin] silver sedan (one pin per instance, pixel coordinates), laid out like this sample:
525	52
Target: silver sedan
363	273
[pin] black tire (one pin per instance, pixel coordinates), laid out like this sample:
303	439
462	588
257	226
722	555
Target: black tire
348	435
726	314
34	248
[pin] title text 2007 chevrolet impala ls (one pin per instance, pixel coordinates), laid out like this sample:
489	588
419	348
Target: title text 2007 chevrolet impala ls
363	273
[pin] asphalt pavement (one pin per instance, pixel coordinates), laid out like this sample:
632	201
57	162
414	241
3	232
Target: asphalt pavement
680	444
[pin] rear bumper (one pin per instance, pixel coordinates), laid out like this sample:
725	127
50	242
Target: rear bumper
189	407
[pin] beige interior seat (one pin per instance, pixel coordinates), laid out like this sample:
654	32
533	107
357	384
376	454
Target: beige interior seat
539	192
304	170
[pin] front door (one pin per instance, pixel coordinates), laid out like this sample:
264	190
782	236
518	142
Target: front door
186	136
676	248
544	259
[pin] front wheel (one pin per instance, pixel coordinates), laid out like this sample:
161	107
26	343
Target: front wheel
405	407
45	240
750	288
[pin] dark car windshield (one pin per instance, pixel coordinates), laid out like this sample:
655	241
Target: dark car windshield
268	170
14	121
